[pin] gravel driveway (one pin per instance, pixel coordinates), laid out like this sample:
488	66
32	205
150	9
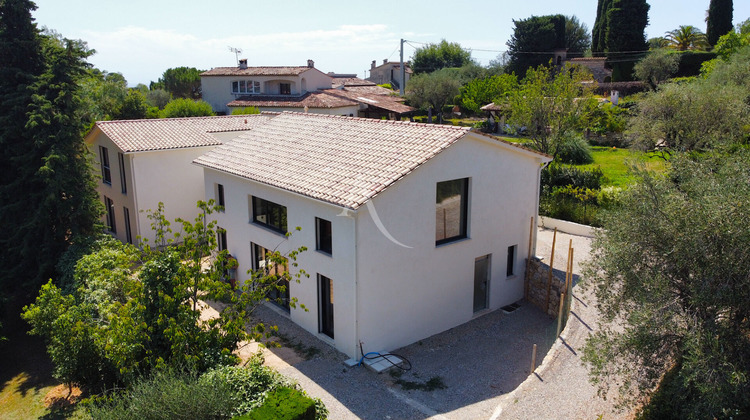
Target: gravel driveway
484	365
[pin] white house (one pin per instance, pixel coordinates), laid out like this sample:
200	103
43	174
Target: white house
144	162
412	229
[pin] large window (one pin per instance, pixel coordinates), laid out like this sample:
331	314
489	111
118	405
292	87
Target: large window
269	214
123	182
451	210
325	305
245	86
276	275
128	233
323	236
285	88
110	207
104	162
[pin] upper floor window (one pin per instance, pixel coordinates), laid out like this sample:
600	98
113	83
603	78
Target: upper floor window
104	162
451	210
123	182
220	196
285	88
269	214
323	236
245	86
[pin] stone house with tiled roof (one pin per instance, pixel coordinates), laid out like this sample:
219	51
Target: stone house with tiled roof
389	72
143	162
411	229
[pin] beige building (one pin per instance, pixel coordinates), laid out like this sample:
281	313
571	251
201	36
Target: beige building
389	72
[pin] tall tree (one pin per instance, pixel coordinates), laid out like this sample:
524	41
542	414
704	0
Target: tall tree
686	37
47	190
433	90
577	38
719	20
598	43
534	41
625	39
182	82
433	57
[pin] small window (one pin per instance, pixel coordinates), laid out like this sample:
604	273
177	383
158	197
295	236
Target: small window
220	195
104	161
279	294
269	214
110	207
123	182
285	88
451	210
511	267
323	237
128	233
221	238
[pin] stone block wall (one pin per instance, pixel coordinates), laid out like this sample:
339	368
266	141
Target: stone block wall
537	279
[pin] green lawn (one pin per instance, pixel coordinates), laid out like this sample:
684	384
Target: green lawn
615	163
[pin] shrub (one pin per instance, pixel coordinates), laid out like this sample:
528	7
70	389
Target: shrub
574	149
247	110
186	108
283	404
557	175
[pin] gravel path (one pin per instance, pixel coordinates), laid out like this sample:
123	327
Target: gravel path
484	365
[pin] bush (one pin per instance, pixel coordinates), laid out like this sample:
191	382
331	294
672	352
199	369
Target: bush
557	175
283	404
574	149
186	108
247	110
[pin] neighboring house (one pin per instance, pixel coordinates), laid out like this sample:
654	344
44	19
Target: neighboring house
144	162
411	229
222	85
596	66
389	72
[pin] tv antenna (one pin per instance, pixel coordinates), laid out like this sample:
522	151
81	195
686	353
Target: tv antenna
237	52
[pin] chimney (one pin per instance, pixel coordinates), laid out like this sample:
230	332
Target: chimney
310	64
372	66
385	61
243	63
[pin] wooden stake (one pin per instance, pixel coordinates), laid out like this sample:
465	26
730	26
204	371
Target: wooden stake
559	314
549	279
526	279
533	360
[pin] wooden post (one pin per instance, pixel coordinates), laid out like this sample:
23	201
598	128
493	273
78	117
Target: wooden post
559	314
526	279
570	283
549	279
533	360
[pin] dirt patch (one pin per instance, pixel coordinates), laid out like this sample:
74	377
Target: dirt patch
61	397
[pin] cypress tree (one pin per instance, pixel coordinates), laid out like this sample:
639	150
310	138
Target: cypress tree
47	194
719	20
625	36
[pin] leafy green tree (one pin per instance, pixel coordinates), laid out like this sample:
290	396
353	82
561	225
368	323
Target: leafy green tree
577	38
432	90
186	108
550	105
686	37
158	98
245	110
433	57
671	284
533	42
133	107
182	82
135	310
657	67
103	94
599	34
480	92
719	20
47	190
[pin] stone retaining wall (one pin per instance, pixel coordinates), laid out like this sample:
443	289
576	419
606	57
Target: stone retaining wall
536	287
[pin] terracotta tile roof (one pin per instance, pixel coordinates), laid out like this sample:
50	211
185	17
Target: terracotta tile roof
387	102
256	71
350	81
317	99
341	160
175	133
370	90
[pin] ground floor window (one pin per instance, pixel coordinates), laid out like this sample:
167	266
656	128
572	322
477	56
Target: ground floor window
277	276
110	207
128	233
325	305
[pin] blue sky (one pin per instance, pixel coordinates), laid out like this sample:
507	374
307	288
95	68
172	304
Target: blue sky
141	39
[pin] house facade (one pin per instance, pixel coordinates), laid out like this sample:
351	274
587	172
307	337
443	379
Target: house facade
389	72
143	162
411	229
222	85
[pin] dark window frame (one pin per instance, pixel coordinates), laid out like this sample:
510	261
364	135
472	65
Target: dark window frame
285	88
221	239
275	214
128	232
325	298
123	181
110	205
274	295
324	236
220	196
463	228
104	162
510	269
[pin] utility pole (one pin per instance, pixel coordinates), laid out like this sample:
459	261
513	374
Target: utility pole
403	70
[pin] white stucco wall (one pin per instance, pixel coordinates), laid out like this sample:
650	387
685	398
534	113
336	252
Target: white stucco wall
114	190
301	212
406	294
167	176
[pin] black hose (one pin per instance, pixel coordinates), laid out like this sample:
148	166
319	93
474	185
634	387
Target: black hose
376	355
